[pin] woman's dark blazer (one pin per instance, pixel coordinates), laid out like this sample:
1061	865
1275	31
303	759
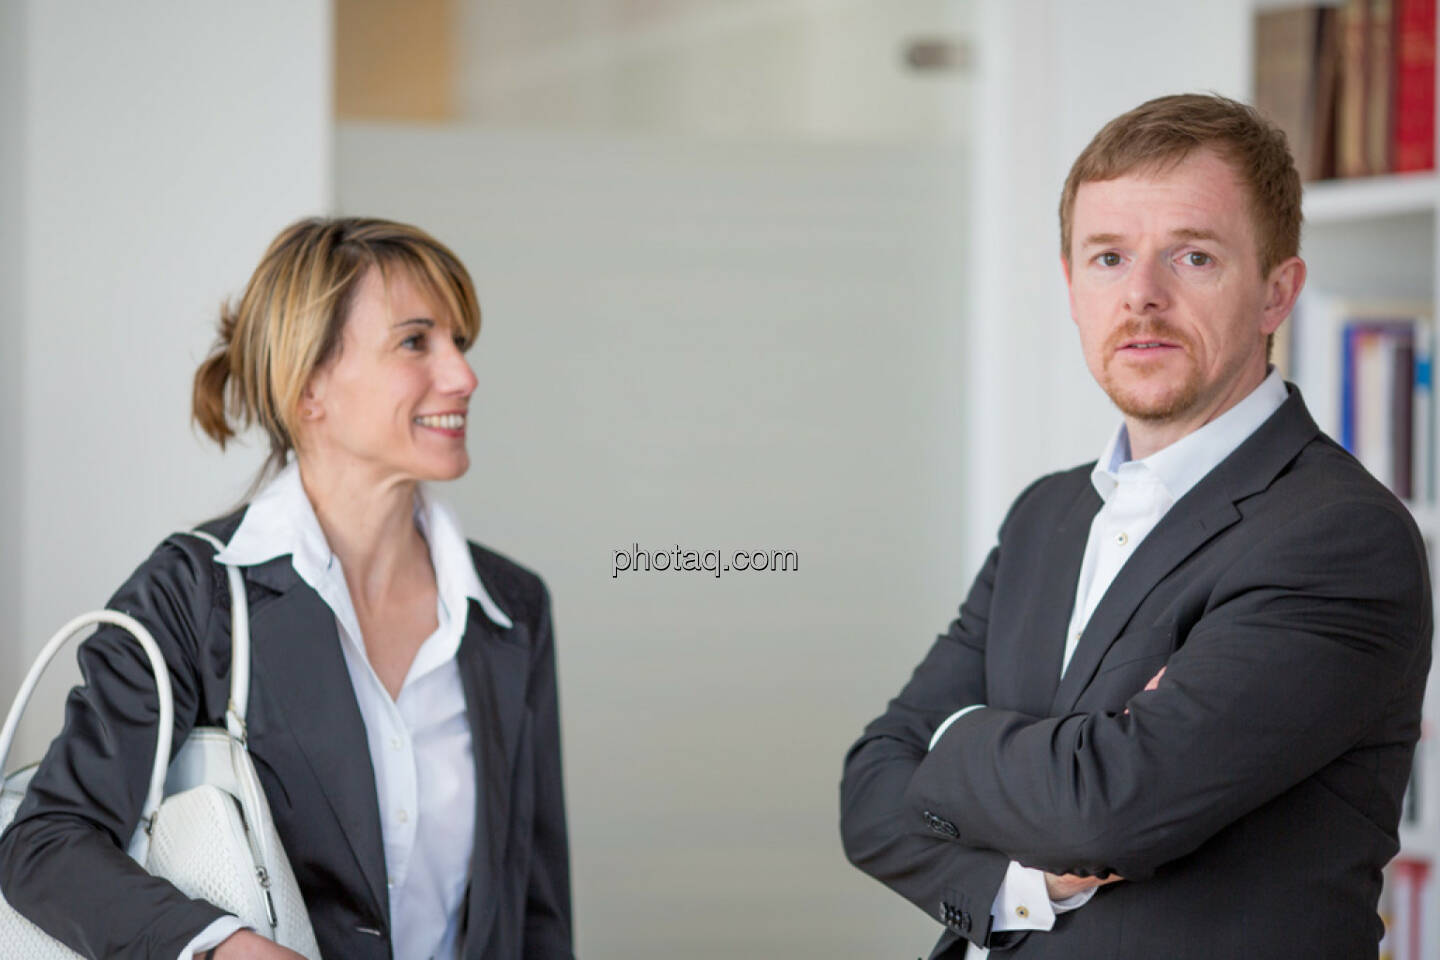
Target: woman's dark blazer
62	863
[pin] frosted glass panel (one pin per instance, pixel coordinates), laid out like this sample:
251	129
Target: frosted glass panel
710	348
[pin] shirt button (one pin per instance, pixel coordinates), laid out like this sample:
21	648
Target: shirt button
396	743
1022	911
1121	539
403	817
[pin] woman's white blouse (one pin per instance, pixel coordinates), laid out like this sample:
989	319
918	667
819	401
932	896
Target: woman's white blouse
420	744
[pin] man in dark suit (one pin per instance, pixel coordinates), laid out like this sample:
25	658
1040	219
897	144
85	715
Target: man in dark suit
1199	750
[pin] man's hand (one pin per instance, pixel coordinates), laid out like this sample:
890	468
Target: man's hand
1065	886
1153	684
249	945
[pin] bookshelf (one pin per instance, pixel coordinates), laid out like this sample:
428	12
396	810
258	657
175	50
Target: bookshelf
1376	239
1364	198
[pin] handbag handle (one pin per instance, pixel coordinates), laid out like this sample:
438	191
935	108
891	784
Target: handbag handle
234	712
239	646
162	684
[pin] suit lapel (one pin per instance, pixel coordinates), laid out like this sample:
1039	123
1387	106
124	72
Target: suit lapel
1048	609
494	669
1200	515
1179	533
295	649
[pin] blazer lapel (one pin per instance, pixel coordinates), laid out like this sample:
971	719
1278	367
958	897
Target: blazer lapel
295	649
494	669
1048	608
1199	516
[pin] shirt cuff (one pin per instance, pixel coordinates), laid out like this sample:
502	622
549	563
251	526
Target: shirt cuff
1022	902
212	936
934	739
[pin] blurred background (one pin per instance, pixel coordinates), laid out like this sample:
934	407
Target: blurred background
755	275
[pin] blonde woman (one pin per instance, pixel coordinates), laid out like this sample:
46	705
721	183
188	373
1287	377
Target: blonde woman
403	715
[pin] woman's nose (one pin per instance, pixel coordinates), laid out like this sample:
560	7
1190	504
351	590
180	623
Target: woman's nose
456	377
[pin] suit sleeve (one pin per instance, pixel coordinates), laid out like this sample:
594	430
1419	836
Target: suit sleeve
62	862
952	882
547	902
1306	639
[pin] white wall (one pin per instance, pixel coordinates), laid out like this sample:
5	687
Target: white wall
1049	74
162	144
716	346
12	275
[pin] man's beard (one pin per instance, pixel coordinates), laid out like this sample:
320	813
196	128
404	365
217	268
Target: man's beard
1142	405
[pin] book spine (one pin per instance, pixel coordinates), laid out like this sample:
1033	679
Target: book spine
1350	151
1402	416
1423	418
1379	87
1414	108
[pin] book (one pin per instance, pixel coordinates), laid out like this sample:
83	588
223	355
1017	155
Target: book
1351	157
1379	86
1365	368
1296	76
1414	106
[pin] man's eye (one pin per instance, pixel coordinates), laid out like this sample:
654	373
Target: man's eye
1109	259
1198	259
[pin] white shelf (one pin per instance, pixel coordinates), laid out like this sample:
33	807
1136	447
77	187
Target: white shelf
1418	841
1362	198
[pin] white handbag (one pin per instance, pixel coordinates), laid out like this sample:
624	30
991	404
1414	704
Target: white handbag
205	826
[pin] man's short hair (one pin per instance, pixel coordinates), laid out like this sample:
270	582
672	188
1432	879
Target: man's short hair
1161	133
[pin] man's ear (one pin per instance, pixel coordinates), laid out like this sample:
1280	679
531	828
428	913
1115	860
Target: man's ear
1282	288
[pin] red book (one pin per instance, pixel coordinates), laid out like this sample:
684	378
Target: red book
1414	114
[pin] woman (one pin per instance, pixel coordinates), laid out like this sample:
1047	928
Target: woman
402	713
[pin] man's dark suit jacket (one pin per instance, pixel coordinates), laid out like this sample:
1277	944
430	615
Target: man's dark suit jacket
1251	801
62	863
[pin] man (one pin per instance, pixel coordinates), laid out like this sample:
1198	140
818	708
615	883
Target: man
1176	714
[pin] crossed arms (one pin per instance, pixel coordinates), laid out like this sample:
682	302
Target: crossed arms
1300	644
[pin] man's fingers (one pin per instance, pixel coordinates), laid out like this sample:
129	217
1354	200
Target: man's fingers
1155	680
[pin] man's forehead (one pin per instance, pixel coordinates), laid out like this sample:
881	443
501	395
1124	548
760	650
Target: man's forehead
1199	198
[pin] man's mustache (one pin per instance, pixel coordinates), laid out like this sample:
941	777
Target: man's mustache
1150	329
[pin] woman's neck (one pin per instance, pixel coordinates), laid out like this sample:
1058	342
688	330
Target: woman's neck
369	523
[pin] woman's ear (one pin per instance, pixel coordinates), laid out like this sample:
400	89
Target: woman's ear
312	400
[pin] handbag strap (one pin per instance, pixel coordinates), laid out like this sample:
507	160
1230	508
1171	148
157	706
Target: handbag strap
239	645
162	685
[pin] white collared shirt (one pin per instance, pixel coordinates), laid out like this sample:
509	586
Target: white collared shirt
1136	495
420	743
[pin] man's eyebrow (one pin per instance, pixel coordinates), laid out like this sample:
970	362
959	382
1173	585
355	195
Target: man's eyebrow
1182	233
417	321
1194	233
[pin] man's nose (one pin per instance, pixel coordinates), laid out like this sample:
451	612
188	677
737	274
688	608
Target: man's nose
1148	287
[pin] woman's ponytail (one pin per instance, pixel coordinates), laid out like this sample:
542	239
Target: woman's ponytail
208	406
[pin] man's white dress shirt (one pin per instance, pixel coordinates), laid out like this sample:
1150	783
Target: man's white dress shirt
1136	495
420	744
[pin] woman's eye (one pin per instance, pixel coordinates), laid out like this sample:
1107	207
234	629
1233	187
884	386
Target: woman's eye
413	341
460	341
